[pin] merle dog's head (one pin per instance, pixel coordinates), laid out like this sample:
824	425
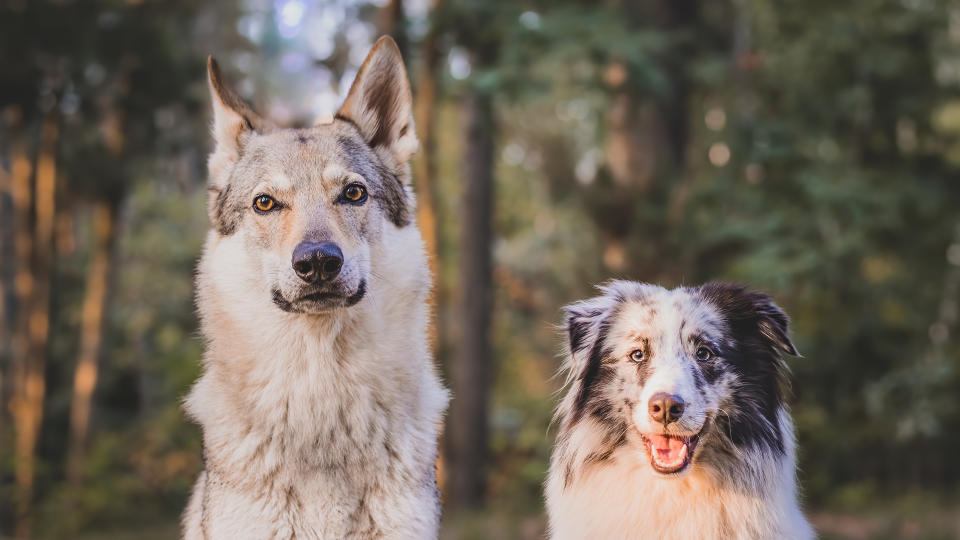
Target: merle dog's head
678	373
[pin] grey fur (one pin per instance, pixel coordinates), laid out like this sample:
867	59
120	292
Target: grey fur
318	401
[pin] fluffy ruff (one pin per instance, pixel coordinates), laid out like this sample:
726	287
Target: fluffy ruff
725	469
319	402
316	426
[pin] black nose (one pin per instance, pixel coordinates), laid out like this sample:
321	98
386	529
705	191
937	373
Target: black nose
317	261
665	408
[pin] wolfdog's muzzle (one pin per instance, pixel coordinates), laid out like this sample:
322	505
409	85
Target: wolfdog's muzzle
318	264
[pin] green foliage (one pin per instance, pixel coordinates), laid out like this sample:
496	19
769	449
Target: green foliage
838	196
819	147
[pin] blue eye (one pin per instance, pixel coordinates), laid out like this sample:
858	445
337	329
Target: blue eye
636	356
704	354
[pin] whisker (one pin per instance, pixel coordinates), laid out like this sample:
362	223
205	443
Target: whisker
729	422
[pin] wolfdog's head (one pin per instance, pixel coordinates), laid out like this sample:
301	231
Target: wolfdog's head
307	205
685	376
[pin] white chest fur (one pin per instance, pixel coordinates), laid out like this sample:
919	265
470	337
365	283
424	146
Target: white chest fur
315	426
622	498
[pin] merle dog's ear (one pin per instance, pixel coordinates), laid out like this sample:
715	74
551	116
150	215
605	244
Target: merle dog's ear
756	310
233	120
584	321
380	103
774	324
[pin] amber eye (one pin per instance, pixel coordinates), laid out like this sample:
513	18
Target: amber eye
354	193
636	356
264	203
704	354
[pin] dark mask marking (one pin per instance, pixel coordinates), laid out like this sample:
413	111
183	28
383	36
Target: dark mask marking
645	367
282	302
387	190
699	379
394	198
592	372
225	216
356	297
611	441
759	331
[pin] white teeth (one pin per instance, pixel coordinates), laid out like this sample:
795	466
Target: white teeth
679	461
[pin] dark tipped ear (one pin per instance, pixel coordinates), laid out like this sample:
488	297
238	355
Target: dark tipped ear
774	325
233	120
585	322
756	310
380	103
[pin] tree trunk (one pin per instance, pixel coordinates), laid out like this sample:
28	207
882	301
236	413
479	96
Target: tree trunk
34	261
635	143
21	191
471	371
633	152
646	143
91	335
22	195
7	258
424	177
425	167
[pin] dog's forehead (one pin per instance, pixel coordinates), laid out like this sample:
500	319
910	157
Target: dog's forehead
660	312
309	154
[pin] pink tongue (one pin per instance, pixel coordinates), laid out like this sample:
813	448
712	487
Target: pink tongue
667	448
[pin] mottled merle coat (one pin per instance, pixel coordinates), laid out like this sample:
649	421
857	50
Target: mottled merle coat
720	464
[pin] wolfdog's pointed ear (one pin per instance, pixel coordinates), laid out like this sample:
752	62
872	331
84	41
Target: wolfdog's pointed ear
380	103
742	306
233	120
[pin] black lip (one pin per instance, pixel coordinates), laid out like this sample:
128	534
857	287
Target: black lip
356	297
282	303
317	297
290	305
691	441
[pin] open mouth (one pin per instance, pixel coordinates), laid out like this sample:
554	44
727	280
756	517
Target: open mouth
670	454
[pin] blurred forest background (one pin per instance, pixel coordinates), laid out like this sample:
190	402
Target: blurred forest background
807	148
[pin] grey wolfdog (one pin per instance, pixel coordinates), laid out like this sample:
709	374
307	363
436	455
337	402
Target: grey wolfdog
674	424
319	402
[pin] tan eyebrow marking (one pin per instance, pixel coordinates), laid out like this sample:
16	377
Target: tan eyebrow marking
278	181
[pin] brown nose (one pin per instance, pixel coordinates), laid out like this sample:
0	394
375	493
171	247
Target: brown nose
317	261
665	408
